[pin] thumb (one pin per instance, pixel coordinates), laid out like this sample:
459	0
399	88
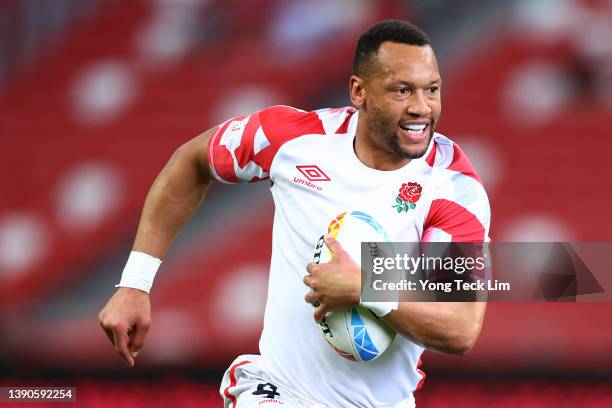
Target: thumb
332	244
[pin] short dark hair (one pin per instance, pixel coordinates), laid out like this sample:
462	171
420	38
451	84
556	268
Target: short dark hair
397	31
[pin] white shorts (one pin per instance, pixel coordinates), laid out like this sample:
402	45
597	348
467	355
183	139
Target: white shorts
246	385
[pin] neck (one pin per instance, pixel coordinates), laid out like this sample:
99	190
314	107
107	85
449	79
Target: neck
372	155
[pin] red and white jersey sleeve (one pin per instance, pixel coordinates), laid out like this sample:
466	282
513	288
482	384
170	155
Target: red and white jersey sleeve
243	148
459	211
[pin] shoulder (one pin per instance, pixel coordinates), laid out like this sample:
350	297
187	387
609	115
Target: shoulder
448	159
459	203
455	177
283	123
244	147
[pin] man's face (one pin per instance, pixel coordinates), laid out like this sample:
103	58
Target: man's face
402	101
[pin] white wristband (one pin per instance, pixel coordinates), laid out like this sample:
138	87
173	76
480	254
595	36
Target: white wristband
380	309
139	271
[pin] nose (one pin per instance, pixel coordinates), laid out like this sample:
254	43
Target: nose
417	105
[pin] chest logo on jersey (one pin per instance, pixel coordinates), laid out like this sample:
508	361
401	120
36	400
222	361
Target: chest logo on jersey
313	174
407	197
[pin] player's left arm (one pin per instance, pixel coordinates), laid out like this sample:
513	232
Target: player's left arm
450	327
460	213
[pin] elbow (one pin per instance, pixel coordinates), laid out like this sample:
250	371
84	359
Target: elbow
460	347
463	341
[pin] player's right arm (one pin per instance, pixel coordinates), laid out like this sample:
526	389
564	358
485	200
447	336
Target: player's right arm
173	198
241	151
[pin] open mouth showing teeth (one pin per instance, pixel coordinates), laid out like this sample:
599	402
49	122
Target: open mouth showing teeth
414	128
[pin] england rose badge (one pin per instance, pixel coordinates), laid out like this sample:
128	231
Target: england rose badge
407	197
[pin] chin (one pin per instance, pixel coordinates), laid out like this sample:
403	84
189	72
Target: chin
416	151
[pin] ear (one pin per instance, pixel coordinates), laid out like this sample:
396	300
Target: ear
357	90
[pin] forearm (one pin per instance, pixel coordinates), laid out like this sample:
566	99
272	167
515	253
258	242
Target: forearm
173	198
450	327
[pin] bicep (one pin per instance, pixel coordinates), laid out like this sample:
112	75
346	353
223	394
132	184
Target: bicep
196	151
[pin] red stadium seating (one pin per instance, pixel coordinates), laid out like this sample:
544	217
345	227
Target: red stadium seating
553	169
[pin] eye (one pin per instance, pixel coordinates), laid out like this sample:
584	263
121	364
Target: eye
434	89
403	91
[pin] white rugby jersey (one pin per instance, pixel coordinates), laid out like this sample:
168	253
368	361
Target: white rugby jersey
315	176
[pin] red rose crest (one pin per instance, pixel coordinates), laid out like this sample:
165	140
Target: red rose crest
409	194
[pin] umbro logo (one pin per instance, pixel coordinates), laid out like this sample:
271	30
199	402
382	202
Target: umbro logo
313	174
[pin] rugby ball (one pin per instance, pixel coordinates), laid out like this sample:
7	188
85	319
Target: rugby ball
356	333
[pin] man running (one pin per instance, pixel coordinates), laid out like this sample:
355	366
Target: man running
321	163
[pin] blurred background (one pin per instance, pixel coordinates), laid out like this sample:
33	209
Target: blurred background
96	94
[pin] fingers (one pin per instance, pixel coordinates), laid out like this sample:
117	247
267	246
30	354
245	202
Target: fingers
311	267
320	309
125	320
119	337
308	281
311	298
127	342
122	339
320	313
108	332
138	337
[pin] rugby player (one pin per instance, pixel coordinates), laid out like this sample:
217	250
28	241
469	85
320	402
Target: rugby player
381	156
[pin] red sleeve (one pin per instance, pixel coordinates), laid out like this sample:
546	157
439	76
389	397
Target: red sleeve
242	148
449	221
460	209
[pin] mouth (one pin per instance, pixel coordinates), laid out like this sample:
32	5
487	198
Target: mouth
414	132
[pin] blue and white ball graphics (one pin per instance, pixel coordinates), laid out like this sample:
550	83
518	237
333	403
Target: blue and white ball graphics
355	333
